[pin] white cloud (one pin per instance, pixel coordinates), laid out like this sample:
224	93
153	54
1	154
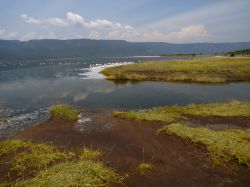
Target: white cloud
29	19
116	30
190	33
8	35
76	19
94	35
51	21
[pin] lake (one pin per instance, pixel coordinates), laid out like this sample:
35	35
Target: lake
29	88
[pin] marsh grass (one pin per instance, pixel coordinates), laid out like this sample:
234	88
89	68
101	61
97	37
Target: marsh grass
52	167
12	145
196	70
35	158
65	111
171	114
80	173
90	154
144	168
223	146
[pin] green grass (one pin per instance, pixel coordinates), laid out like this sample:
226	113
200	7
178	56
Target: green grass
35	158
89	154
12	145
220	70
145	168
82	173
171	114
223	146
65	111
51	167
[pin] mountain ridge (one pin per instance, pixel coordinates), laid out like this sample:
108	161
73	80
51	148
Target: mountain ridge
53	48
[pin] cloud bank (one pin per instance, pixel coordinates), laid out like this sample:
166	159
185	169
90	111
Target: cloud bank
116	30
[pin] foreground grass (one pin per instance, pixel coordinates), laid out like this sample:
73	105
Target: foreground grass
219	70
81	173
65	111
223	146
37	157
171	114
51	167
10	146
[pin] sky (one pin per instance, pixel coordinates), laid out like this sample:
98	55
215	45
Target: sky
172	21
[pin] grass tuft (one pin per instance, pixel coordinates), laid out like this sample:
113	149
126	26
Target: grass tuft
35	158
89	154
65	111
223	146
12	145
81	173
145	168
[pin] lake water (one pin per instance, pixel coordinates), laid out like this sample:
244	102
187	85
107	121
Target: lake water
28	89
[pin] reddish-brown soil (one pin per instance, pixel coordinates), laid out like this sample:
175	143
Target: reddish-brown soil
126	144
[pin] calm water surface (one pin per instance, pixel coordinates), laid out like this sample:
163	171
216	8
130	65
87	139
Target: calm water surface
26	92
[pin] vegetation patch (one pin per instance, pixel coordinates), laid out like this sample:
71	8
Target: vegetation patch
35	158
65	111
81	173
210	70
89	154
171	114
12	145
244	52
54	168
223	146
145	168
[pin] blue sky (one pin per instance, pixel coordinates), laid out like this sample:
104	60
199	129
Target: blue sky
133	20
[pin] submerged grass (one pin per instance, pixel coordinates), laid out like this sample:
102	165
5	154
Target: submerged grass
65	111
171	114
145	168
223	146
81	173
208	70
89	154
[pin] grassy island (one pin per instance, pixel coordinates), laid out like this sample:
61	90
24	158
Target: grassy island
209	70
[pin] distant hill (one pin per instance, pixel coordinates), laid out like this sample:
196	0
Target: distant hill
37	49
244	52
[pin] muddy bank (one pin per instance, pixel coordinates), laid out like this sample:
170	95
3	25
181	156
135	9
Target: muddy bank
126	144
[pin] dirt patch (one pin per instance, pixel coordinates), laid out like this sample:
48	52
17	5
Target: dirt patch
127	143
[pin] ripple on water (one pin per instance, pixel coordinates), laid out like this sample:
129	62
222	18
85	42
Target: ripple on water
12	123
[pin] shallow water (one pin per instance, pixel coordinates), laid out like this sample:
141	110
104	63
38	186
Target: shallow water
26	92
